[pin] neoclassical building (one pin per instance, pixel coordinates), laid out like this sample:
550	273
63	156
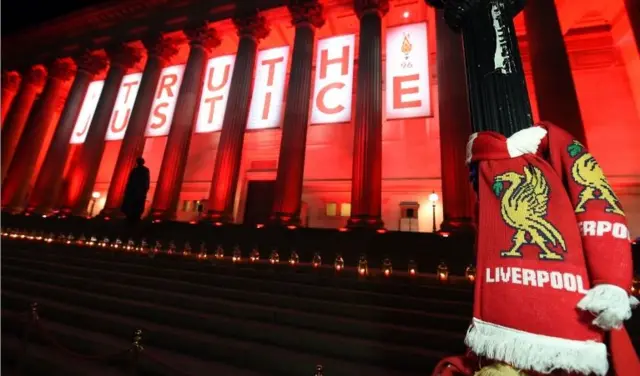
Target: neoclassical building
322	113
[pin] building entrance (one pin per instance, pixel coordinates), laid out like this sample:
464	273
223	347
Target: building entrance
259	201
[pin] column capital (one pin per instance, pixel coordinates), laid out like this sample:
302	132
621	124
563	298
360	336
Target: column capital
160	46
124	55
62	69
309	12
203	36
252	25
36	76
363	7
91	62
10	80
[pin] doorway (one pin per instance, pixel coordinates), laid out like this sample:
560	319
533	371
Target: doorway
259	201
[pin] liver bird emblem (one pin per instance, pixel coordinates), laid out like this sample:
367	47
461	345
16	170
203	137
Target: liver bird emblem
524	206
587	172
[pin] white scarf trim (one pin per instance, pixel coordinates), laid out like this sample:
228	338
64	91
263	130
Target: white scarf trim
536	352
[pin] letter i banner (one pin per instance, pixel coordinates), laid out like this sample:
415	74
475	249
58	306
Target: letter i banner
553	259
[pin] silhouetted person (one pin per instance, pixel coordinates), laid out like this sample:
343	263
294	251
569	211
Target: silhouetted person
135	193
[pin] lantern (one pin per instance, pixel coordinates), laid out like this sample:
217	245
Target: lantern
255	255
470	273
412	268
338	264
363	266
635	286
219	253
442	272
69	240
387	269
236	255
156	248
316	261
294	259
172	248
202	254
117	244
131	245
186	251
274	257
144	246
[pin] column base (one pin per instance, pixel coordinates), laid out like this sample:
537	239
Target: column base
13	210
109	214
160	215
216	218
35	211
69	212
284	219
365	222
458	225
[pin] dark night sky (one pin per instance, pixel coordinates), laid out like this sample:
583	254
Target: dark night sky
22	14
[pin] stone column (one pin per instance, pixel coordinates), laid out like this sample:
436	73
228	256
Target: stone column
82	175
366	179
251	29
306	15
552	77
633	12
174	161
455	128
32	142
160	50
17	118
46	189
10	85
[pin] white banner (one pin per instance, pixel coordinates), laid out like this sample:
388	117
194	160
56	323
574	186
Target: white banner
124	104
333	86
164	101
268	89
215	92
407	79
88	108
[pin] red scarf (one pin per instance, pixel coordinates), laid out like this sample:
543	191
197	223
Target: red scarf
553	256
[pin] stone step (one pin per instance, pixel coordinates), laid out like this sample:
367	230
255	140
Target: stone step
40	360
76	342
377	331
316	342
425	286
300	301
264	281
269	359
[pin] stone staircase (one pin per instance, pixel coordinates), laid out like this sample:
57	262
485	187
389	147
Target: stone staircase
218	318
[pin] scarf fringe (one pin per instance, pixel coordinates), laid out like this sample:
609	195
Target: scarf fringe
535	352
610	304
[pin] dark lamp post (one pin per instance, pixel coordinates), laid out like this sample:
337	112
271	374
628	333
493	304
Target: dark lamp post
498	97
433	198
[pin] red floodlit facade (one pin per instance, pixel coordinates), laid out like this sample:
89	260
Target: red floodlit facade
327	113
